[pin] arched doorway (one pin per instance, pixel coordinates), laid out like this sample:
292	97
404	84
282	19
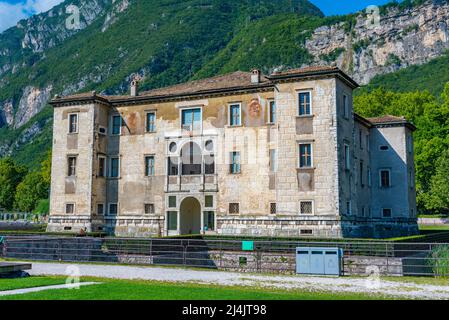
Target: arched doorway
190	212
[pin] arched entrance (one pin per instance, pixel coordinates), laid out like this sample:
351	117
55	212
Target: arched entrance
190	216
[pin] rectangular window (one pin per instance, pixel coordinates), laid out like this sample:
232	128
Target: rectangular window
386	213
172	220
234	208
361	174
100	208
305	155
235	115
149	166
306	207
385	181
209	221
273	208
273	160
348	207
347	157
151	122
113	209
71	166
346	106
360	139
73	123
172	201
70	208
209	201
173	166
369	177
101	166
149	208
272	111
114	167
191	119
367	143
209	164
235	162
305	103
116	125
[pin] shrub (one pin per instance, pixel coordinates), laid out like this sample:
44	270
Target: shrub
439	260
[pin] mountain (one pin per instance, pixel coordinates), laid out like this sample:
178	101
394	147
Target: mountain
168	42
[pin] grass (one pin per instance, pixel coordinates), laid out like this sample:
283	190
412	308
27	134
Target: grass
110	289
437	227
31	282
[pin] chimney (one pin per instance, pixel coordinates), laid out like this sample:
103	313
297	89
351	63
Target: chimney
134	87
255	76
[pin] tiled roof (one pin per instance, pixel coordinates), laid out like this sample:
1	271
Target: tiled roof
228	82
386	119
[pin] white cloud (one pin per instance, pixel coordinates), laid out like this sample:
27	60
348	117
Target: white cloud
10	14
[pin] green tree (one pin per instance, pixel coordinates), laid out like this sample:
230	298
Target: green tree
10	176
46	168
32	189
438	199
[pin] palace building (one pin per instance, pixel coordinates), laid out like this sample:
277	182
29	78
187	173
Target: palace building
238	154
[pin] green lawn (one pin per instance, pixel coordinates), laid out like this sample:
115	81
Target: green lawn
150	290
437	227
31	282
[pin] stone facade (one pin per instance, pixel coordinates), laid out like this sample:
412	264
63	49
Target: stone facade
239	154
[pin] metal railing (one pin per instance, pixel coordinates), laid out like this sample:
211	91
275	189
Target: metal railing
360	258
22	217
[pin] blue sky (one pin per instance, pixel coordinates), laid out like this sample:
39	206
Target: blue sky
11	11
333	7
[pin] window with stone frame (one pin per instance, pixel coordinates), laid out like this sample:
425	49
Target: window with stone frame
149	208
234	208
70	208
209	201
306	207
273	208
71	166
73	123
385	179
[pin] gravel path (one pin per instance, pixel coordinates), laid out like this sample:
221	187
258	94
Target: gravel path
343	284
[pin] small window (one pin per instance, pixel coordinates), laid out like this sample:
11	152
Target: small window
101	166
235	163
346	110
306	207
209	145
172	201
384	148
272	115
149	166
273	160
363	211
386	213
348	207
73	123
172	220
235	115
209	164
70	208
209	221
173	147
149	208
305	103
306	232
151	122
114	167
305	155
209	201
113	209
360	139
369	177
173	166
100	208
273	208
361	174
367	143
385	181
347	157
117	123
71	166
102	130
234	208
